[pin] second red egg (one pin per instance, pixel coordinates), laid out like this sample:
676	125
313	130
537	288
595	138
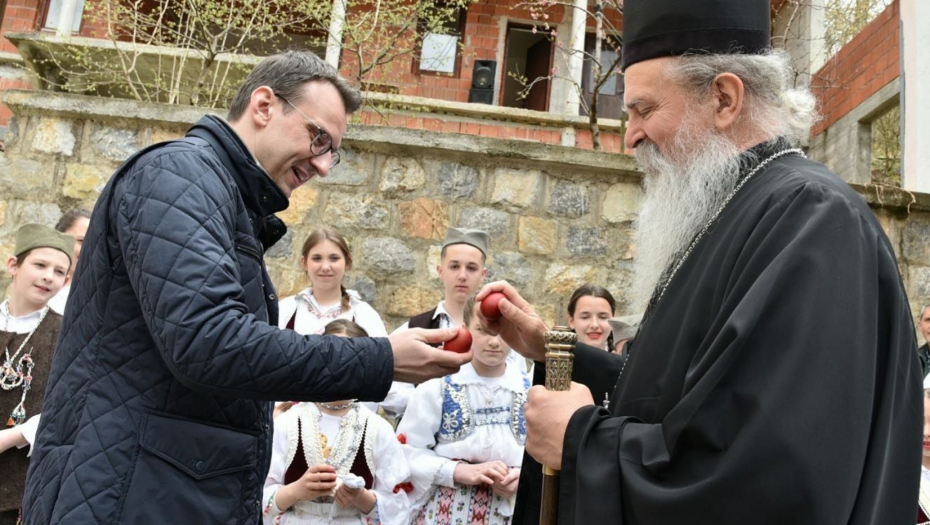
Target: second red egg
461	343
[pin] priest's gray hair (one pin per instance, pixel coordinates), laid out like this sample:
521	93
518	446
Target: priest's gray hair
774	105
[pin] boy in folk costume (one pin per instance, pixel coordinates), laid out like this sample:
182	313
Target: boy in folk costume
28	333
464	436
335	463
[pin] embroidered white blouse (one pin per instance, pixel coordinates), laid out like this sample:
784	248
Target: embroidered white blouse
463	417
312	319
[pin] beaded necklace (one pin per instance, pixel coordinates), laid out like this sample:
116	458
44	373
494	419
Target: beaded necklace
15	373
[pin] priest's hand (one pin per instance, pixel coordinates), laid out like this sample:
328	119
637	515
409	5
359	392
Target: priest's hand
519	325
415	361
547	414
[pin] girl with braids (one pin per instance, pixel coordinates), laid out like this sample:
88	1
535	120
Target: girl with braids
335	463
325	256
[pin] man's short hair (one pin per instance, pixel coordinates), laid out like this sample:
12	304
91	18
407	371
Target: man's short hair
286	74
923	311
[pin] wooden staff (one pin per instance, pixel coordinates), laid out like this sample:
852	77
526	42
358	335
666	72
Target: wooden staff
560	353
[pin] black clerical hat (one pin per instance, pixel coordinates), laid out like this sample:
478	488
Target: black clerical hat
661	28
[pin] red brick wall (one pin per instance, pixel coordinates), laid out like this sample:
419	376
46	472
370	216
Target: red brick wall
481	40
863	66
20	15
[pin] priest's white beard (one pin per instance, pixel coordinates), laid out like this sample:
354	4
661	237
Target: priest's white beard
684	188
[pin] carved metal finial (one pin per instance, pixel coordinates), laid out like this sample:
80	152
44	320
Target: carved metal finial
560	355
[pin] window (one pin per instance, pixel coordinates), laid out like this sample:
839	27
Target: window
528	58
440	50
610	94
54	12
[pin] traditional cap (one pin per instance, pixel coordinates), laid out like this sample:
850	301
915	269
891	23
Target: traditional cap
624	327
31	236
662	28
476	238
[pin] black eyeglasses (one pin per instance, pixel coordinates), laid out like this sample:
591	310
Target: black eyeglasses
322	142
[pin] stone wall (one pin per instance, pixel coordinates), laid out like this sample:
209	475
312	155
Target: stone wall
558	216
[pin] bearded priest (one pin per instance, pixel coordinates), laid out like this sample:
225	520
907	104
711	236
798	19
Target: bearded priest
773	378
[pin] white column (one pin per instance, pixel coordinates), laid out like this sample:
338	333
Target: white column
336	24
66	17
915	97
575	60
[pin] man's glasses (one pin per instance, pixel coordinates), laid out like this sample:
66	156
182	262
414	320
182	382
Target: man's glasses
322	142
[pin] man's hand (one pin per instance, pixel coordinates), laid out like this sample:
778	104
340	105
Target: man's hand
415	361
489	473
547	415
519	326
507	487
318	480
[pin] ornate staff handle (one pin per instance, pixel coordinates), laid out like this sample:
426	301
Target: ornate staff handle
560	355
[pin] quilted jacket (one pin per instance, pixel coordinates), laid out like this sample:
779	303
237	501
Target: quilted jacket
157	409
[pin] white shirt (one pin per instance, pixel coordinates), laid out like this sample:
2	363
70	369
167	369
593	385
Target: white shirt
58	302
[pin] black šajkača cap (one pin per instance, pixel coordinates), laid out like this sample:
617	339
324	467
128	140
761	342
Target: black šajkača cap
662	28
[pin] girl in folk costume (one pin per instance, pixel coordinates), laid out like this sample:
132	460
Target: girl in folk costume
335	463
923	496
28	334
464	437
325	256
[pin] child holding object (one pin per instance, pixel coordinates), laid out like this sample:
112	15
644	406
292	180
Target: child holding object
335	463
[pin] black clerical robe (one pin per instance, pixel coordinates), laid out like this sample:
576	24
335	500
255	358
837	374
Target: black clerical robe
775	382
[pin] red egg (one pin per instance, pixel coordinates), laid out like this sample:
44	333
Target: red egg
490	306
461	343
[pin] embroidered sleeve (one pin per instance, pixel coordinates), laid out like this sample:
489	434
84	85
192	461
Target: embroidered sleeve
392	507
271	514
420	427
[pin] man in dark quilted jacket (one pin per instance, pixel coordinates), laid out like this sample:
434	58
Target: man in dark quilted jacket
158	408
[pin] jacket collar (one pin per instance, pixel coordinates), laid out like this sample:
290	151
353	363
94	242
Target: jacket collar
260	194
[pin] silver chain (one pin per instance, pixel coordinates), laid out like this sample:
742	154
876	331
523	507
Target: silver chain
11	372
681	261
